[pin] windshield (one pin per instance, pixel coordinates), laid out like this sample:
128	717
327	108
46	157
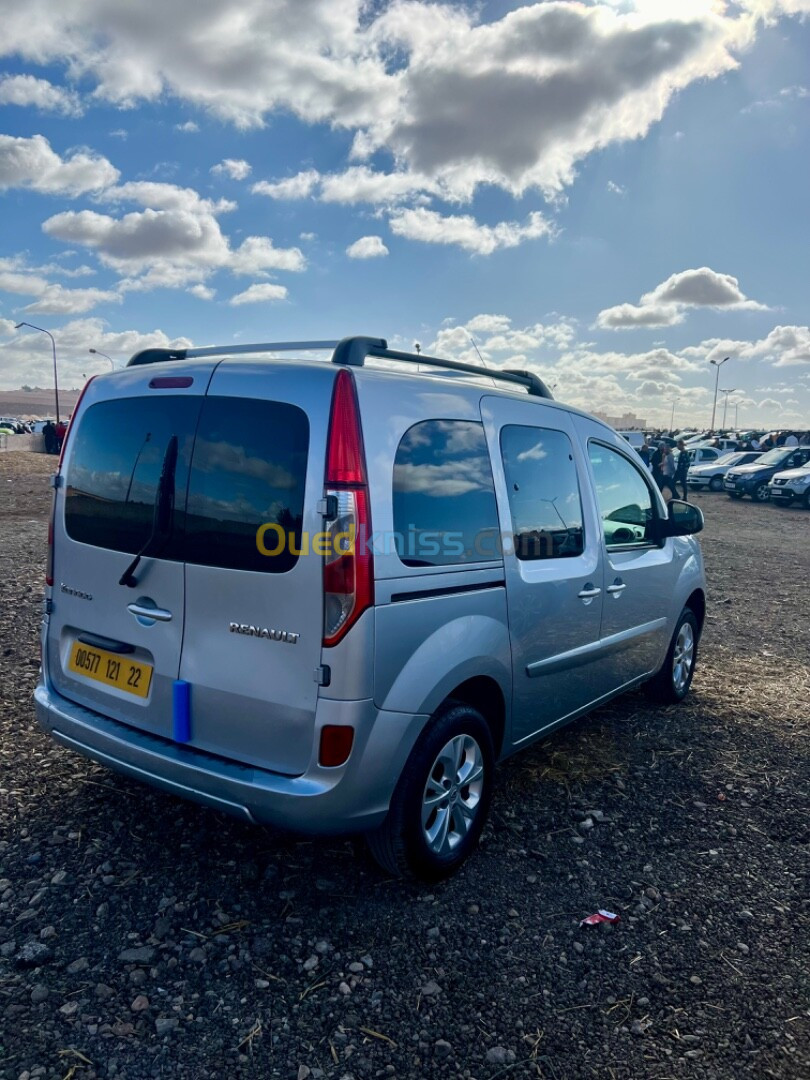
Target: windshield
773	457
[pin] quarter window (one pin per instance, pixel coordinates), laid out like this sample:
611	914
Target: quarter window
444	498
625	499
544	497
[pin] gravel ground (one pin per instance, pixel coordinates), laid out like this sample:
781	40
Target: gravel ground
141	936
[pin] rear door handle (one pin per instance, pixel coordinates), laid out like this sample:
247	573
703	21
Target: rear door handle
155	613
588	592
617	587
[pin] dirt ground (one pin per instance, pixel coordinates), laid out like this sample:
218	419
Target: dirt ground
141	936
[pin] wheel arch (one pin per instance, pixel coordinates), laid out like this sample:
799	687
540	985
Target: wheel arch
484	693
697	605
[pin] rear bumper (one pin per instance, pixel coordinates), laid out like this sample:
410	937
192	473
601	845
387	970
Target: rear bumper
352	798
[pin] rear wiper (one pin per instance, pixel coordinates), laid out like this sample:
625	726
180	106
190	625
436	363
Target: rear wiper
162	518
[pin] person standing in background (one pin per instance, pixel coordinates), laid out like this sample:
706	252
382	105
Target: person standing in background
681	469
49	434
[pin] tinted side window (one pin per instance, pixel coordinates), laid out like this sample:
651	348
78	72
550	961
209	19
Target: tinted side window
444	498
115	465
248	470
625	501
544	499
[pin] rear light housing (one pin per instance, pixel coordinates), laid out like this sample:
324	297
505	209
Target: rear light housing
348	567
336	745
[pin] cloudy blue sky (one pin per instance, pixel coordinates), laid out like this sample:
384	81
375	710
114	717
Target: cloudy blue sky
612	193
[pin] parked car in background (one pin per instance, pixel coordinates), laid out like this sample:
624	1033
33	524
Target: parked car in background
755	479
791	486
702	455
635	438
39	425
710	474
388	671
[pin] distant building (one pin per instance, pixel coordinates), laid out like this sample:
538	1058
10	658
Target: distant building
626	422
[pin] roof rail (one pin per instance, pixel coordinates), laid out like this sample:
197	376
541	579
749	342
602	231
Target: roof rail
352	352
158	356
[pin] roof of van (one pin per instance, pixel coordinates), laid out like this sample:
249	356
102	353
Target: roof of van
373	355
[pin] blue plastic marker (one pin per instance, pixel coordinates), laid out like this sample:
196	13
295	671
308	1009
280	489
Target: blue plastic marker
181	711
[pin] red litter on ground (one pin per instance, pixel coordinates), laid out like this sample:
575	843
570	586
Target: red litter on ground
600	916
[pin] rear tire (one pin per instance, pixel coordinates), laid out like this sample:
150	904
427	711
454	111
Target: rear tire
672	682
441	801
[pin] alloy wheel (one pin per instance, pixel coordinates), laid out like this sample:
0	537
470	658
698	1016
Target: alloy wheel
452	794
683	657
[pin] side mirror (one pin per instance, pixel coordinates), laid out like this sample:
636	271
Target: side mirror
684	519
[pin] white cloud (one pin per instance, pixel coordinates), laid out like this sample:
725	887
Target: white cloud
367	247
488	324
24	284
616	189
668	302
31	163
293	187
57	300
236	168
202	292
190	127
464	231
358	184
27	356
264	293
176	241
549	83
50	299
38	93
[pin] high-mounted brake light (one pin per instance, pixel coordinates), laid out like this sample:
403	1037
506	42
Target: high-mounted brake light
49	563
348	569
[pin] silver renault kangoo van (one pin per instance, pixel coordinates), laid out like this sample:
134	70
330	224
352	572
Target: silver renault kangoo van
330	596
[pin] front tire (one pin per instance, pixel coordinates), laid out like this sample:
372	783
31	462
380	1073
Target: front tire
716	483
672	682
761	492
441	801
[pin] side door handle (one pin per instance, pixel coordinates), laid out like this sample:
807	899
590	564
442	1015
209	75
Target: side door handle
588	592
617	587
156	614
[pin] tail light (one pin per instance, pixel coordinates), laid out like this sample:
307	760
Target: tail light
348	568
49	563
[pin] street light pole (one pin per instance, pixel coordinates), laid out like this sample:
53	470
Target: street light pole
672	416
53	347
718	364
725	404
98	352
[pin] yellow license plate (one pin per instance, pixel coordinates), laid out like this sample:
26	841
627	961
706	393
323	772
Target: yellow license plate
110	669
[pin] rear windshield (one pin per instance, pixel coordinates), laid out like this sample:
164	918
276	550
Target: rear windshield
117	454
241	464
